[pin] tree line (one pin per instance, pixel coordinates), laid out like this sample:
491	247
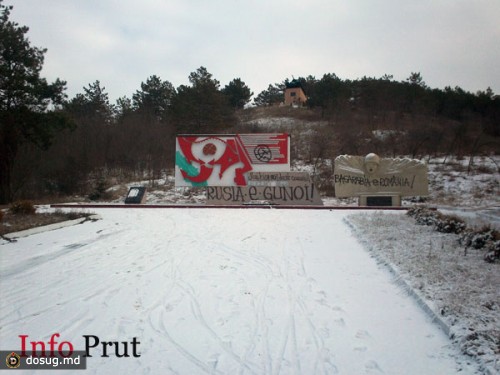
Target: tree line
395	118
384	95
52	144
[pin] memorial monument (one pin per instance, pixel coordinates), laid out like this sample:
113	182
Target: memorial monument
242	169
379	181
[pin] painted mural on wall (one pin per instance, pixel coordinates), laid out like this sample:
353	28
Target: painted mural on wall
370	174
226	160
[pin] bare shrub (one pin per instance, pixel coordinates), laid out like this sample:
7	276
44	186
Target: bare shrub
450	224
442	223
485	169
484	238
24	207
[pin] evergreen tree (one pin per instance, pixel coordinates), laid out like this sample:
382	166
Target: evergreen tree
201	107
28	103
123	107
92	106
415	78
154	98
94	118
238	93
327	92
272	96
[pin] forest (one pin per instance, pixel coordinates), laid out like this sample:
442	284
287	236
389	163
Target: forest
52	145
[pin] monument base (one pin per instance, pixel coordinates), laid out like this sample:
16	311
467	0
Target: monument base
382	200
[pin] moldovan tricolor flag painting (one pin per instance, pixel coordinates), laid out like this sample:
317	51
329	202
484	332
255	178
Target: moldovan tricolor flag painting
225	160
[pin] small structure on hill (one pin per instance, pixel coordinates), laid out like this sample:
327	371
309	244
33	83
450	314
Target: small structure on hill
294	94
379	181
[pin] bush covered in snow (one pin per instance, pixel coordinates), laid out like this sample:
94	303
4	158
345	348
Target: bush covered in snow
442	223
450	224
484	238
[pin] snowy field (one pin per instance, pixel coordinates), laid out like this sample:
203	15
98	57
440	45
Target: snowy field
220	291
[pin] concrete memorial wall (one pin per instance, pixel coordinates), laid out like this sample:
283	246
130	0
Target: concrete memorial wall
281	188
243	169
226	160
370	176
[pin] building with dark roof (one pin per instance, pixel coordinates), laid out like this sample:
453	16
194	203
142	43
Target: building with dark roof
294	94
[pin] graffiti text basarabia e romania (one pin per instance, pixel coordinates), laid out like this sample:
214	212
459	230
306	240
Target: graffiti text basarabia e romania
393	181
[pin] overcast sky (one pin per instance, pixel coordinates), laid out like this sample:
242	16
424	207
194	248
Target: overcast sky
123	42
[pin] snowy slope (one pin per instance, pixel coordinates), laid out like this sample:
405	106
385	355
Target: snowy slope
210	291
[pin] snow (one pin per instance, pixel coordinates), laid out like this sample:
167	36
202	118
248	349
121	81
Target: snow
240	291
266	291
454	284
451	185
284	123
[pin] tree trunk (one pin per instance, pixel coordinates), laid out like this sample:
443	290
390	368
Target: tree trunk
5	177
8	150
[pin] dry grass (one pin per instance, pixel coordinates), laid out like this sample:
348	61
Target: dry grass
304	114
17	222
460	286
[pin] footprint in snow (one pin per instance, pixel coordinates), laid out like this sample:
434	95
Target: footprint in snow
363	335
360	349
372	367
340	322
214	360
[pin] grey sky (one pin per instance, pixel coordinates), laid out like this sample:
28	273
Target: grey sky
122	42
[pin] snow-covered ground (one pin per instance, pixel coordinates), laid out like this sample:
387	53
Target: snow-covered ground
285	123
221	291
454	283
265	291
474	195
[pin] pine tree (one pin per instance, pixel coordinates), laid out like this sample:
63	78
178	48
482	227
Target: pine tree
28	103
238	93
